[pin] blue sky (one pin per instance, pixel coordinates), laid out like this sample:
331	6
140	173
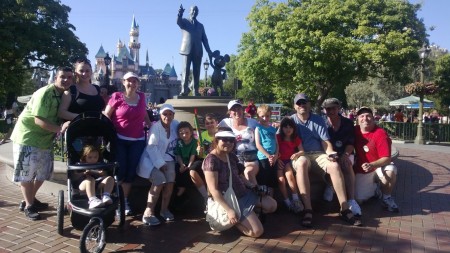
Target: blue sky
104	22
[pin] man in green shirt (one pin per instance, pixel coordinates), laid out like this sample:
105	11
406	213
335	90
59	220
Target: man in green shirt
33	140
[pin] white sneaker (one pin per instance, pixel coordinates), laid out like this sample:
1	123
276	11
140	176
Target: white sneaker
95	202
390	204
354	207
328	193
106	199
127	209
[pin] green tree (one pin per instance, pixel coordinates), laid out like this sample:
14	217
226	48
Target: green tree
34	34
319	46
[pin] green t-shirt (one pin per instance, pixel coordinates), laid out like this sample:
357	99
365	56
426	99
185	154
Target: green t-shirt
206	142
186	150
44	103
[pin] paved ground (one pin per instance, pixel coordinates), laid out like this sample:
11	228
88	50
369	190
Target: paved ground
423	224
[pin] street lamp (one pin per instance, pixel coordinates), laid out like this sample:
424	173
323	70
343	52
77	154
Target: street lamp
206	66
107	61
423	54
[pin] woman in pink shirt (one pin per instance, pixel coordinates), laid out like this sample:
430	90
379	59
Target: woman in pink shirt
127	111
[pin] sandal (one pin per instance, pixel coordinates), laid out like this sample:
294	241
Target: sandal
347	216
306	220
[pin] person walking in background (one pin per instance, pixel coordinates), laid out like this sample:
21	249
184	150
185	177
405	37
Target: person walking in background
290	149
11	112
83	96
342	137
373	161
157	164
127	111
399	116
33	137
250	110
194	36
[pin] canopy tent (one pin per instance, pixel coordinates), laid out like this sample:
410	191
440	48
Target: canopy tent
412	102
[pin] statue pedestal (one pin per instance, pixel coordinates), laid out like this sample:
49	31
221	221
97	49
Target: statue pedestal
185	105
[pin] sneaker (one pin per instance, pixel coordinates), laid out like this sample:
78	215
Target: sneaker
128	211
106	199
354	207
328	193
95	202
390	204
151	220
167	215
38	205
31	213
296	206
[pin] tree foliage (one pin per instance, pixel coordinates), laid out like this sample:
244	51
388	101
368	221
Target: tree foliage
34	34
320	46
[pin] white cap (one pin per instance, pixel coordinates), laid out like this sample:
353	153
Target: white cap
225	134
130	74
166	107
233	103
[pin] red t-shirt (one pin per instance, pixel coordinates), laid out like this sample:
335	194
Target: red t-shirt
370	147
287	148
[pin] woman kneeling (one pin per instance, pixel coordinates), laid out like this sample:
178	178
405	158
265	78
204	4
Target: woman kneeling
216	171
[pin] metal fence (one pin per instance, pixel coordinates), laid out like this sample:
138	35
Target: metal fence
408	131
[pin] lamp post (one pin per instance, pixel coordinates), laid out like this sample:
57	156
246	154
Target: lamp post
423	53
107	61
206	66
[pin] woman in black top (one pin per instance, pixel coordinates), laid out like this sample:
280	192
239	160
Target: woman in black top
82	96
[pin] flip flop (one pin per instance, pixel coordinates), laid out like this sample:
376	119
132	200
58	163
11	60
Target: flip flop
306	221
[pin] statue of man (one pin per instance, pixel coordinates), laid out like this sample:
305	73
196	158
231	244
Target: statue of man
191	49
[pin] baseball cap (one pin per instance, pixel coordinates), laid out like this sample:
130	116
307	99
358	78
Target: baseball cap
233	103
331	102
166	107
364	110
300	96
130	74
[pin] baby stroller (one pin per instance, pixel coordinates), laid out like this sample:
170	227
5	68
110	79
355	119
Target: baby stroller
96	129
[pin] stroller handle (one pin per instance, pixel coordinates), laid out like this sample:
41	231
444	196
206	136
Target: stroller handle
96	166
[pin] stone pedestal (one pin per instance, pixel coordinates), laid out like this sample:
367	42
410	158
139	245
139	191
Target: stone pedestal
185	106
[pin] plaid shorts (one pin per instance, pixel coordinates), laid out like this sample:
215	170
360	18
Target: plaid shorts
31	163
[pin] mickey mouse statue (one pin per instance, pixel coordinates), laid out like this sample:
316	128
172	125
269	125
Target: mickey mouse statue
219	74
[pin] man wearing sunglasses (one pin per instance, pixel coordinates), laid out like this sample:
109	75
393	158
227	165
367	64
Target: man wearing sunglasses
319	157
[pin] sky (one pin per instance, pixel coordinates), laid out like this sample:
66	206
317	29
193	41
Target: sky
104	22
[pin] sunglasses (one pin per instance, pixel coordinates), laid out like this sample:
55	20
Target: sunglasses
226	139
301	102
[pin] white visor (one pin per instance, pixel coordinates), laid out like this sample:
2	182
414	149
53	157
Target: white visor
224	134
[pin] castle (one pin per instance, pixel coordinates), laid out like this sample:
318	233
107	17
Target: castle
155	85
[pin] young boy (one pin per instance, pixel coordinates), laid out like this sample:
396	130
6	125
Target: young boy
208	134
267	145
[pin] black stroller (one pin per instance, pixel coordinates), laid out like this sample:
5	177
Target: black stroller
96	129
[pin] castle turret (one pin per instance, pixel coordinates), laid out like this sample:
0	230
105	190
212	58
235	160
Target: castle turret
134	44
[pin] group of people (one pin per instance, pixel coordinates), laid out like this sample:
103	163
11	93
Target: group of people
260	156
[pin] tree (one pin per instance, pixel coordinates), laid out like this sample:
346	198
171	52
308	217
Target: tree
34	34
319	46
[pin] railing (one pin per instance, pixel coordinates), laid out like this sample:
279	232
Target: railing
408	131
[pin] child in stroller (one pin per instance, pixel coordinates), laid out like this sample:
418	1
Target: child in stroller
86	181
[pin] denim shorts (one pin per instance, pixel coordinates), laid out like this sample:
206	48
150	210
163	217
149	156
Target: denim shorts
248	156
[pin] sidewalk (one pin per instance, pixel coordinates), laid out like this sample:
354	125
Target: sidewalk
423	224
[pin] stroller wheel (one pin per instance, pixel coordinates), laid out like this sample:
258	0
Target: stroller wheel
60	212
93	237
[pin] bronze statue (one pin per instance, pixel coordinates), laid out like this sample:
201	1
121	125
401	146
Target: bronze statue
219	74
194	35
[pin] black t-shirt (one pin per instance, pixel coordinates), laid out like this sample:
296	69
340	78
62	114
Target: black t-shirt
84	102
344	136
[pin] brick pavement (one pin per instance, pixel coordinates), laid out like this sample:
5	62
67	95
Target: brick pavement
423	224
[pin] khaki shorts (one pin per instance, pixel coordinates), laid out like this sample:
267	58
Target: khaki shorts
158	177
31	163
366	184
317	162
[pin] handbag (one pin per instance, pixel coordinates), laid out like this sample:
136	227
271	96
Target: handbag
216	215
